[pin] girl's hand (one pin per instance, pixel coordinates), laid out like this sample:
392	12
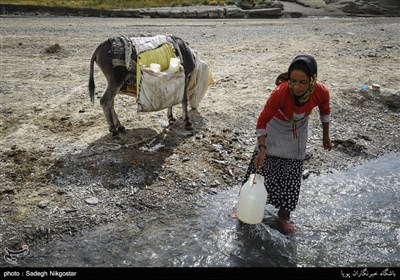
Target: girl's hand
259	160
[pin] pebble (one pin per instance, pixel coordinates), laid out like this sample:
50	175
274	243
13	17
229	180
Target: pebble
43	204
92	200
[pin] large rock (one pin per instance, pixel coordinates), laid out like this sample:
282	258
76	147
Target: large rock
357	7
259	4
245	4
369	7
263	13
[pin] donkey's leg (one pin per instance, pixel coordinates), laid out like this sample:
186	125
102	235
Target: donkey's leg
188	124
122	77
107	103
115	119
171	118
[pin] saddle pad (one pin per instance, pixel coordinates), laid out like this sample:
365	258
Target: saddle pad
143	44
121	52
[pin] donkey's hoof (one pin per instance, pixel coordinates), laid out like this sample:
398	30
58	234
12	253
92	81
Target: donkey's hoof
188	126
171	122
121	128
114	132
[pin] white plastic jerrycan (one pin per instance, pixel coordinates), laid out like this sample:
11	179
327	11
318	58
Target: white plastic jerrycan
174	65
252	199
155	67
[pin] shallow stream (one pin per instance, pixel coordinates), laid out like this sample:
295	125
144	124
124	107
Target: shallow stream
344	218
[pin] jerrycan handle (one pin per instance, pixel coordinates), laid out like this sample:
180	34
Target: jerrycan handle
252	183
254	179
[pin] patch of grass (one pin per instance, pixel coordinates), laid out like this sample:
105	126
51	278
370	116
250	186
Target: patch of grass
111	4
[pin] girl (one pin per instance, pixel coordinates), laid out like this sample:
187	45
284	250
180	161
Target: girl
282	131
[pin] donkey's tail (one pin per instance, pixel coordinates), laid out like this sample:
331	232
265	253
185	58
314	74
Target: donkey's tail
91	78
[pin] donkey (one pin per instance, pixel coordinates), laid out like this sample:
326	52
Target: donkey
118	76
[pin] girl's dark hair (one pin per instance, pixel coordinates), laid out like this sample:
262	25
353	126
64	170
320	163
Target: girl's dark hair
305	63
301	66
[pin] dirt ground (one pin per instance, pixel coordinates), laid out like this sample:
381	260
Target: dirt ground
61	171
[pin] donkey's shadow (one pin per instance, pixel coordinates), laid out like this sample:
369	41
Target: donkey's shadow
133	159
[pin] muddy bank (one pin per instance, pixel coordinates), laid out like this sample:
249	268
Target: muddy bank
62	172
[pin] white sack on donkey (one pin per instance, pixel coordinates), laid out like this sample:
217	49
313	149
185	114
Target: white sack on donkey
126	64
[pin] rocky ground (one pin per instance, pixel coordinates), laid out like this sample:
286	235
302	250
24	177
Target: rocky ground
61	171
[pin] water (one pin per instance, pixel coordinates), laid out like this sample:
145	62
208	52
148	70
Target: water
344	218
352	218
